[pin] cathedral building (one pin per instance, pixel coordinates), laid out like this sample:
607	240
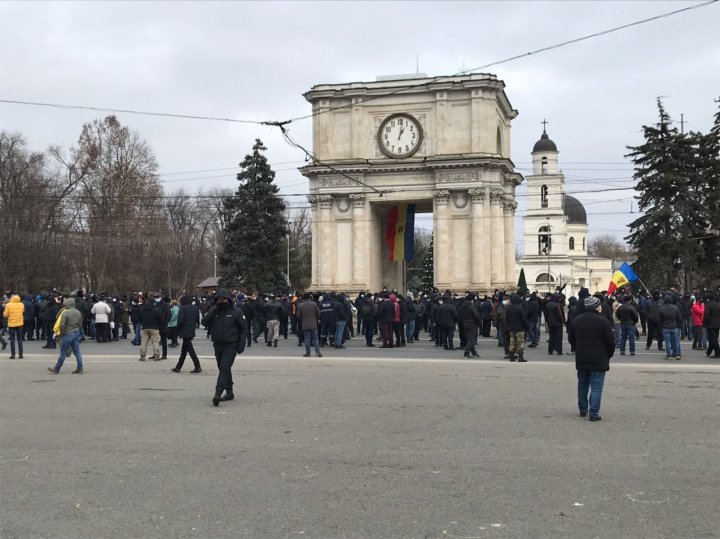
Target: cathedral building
555	231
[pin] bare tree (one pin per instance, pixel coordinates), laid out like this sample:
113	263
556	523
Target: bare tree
608	246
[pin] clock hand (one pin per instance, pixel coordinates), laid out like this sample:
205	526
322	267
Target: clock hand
401	132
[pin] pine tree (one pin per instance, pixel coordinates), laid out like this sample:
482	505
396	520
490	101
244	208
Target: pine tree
427	275
256	228
671	197
709	156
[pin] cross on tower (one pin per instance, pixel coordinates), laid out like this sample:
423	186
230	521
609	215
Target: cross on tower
544	123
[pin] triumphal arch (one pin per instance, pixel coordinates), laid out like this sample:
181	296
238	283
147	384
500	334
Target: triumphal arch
443	145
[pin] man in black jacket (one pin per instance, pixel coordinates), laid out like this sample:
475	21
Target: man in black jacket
188	318
472	321
447	317
711	322
555	317
594	343
629	318
517	324
228	331
150	323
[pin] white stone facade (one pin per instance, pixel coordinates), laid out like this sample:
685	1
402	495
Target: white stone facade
551	211
461	172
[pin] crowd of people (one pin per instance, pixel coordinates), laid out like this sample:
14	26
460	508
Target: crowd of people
327	319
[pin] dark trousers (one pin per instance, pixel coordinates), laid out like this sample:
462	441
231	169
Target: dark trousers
28	329
399	333
471	335
643	322
327	331
446	338
102	332
487	324
369	328
359	325
284	327
713	345
387	334
555	343
225	357
163	342
187	348
653	332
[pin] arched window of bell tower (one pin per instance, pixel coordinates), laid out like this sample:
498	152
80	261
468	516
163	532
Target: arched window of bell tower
498	142
544	165
544	196
572	244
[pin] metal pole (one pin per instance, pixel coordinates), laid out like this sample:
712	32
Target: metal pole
288	260
549	240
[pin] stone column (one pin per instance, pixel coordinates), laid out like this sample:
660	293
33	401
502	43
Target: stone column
497	250
478	231
509	206
441	244
315	238
326	256
360	242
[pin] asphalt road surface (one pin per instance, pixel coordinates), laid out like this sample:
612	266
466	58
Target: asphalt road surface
363	442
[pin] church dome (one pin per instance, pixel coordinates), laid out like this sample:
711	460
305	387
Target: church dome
544	144
574	211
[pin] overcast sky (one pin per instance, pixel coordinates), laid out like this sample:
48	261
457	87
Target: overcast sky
254	60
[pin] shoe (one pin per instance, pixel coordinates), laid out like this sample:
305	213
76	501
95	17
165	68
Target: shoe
45	347
275	343
678	358
595	418
156	358
583	414
521	359
318	354
228	395
269	343
217	397
77	371
163	357
196	371
622	353
668	358
142	358
13	356
467	356
476	355
176	369
632	353
54	370
371	345
341	347
4	345
306	355
20	356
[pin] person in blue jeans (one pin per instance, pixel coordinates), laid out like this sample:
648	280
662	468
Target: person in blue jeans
629	318
594	342
671	323
69	328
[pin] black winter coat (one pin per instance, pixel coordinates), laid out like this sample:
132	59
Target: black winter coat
627	314
711	319
149	316
554	314
226	325
386	312
187	321
593	340
516	318
447	315
470	316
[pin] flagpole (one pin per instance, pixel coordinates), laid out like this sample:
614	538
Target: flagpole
644	286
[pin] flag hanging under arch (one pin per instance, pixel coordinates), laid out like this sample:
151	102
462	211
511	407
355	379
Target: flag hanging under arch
400	233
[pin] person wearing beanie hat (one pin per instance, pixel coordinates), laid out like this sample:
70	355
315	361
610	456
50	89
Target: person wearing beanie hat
594	343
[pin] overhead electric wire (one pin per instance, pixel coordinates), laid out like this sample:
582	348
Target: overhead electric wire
505	60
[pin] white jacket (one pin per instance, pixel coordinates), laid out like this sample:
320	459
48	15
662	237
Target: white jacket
101	310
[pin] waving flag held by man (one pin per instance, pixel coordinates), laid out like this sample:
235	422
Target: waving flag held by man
622	277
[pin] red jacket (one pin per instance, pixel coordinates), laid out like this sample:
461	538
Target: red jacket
697	312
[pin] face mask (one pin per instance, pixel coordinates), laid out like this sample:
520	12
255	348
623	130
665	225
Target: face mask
157	300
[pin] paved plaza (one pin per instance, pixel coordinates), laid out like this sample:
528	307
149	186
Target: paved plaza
409	442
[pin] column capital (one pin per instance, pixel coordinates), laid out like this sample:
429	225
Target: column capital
477	196
496	197
358	200
325	201
442	196
509	205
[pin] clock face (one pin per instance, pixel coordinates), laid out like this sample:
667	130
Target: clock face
400	135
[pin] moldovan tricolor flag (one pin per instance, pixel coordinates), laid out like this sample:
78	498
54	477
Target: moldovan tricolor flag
400	233
624	276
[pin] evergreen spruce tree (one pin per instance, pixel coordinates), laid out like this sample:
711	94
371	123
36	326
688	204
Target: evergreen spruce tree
709	156
671	198
427	274
256	229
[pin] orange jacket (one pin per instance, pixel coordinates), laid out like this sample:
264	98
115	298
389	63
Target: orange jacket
14	312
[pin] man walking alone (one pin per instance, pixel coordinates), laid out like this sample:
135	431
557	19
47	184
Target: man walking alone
228	330
594	343
69	328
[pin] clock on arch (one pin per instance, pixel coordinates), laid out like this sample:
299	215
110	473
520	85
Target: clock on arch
400	135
